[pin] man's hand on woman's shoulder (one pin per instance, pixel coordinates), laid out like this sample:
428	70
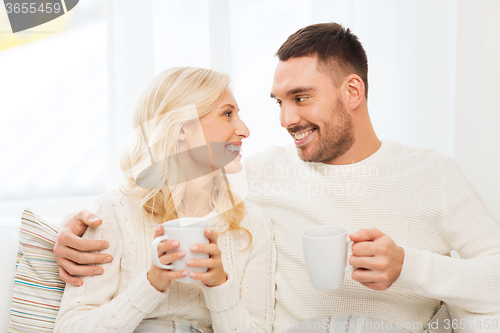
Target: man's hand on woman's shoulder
72	252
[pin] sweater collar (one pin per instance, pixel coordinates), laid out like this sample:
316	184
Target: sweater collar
362	168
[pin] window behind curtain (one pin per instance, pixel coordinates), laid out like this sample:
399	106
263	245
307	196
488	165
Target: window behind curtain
53	106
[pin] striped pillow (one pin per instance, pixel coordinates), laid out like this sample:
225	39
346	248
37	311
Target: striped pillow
37	287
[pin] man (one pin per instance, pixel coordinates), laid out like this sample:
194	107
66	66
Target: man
405	208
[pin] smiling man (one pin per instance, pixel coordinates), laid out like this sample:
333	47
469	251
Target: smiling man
406	208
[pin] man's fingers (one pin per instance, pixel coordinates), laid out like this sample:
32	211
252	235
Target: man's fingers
366	249
366	235
85	258
88	218
70	240
363	275
74	281
372	279
81	270
371	263
374	286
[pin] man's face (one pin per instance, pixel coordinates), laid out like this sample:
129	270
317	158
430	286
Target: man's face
312	110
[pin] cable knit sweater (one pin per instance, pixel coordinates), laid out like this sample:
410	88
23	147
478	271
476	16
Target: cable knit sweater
416	196
122	297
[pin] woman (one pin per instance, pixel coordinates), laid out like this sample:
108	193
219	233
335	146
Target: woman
187	137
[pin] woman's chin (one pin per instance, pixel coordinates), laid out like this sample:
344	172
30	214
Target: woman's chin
234	167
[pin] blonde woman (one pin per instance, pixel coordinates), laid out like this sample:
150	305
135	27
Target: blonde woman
182	113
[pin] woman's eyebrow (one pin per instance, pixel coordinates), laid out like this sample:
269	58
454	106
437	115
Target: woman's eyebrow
228	104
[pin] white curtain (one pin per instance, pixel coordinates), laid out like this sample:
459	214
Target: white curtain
53	101
433	69
477	112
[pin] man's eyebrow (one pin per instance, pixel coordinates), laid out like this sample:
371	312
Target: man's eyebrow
294	91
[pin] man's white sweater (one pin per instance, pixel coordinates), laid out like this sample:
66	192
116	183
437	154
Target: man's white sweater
416	196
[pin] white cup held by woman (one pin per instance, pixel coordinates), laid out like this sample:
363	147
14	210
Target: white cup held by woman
188	231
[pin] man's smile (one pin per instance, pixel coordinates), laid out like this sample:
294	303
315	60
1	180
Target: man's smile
303	137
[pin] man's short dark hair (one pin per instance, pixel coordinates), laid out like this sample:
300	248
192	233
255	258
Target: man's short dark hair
337	49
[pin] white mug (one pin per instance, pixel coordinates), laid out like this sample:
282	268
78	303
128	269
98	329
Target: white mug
325	254
188	231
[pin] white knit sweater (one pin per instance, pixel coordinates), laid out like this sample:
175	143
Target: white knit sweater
122	297
416	196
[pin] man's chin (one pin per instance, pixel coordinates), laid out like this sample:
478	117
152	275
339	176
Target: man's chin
305	155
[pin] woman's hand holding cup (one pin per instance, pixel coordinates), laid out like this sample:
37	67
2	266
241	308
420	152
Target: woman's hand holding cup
215	274
161	278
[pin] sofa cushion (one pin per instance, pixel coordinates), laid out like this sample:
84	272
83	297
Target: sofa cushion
38	290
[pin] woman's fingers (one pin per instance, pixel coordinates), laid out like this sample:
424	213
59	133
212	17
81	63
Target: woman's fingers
168	245
171	275
209	263
169	258
211	248
160	278
210	275
158	231
211	235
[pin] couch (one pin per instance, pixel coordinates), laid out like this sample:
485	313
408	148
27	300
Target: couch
60	208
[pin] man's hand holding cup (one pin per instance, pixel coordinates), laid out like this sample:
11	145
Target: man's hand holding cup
378	259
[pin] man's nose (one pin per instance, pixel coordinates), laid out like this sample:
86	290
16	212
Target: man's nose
289	116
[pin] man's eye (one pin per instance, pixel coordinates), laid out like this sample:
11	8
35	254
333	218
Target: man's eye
279	103
301	99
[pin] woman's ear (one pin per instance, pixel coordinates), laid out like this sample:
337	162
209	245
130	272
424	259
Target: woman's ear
182	134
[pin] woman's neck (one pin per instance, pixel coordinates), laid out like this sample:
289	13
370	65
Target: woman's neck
197	197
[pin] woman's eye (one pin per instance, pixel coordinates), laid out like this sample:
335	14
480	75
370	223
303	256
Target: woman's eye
228	113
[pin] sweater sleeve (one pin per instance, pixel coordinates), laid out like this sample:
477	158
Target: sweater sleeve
96	306
248	305
472	282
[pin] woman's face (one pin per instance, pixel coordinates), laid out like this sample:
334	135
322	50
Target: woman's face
223	131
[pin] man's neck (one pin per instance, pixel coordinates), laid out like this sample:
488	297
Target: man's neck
358	152
366	143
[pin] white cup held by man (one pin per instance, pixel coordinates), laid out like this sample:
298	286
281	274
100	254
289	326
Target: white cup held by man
325	254
188	231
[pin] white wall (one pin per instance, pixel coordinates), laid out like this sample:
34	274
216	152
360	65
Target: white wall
432	67
477	112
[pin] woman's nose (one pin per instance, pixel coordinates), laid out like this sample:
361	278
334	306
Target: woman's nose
242	129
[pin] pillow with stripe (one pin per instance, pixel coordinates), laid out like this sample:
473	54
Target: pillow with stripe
38	290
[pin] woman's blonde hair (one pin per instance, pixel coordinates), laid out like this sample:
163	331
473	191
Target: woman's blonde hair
161	112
